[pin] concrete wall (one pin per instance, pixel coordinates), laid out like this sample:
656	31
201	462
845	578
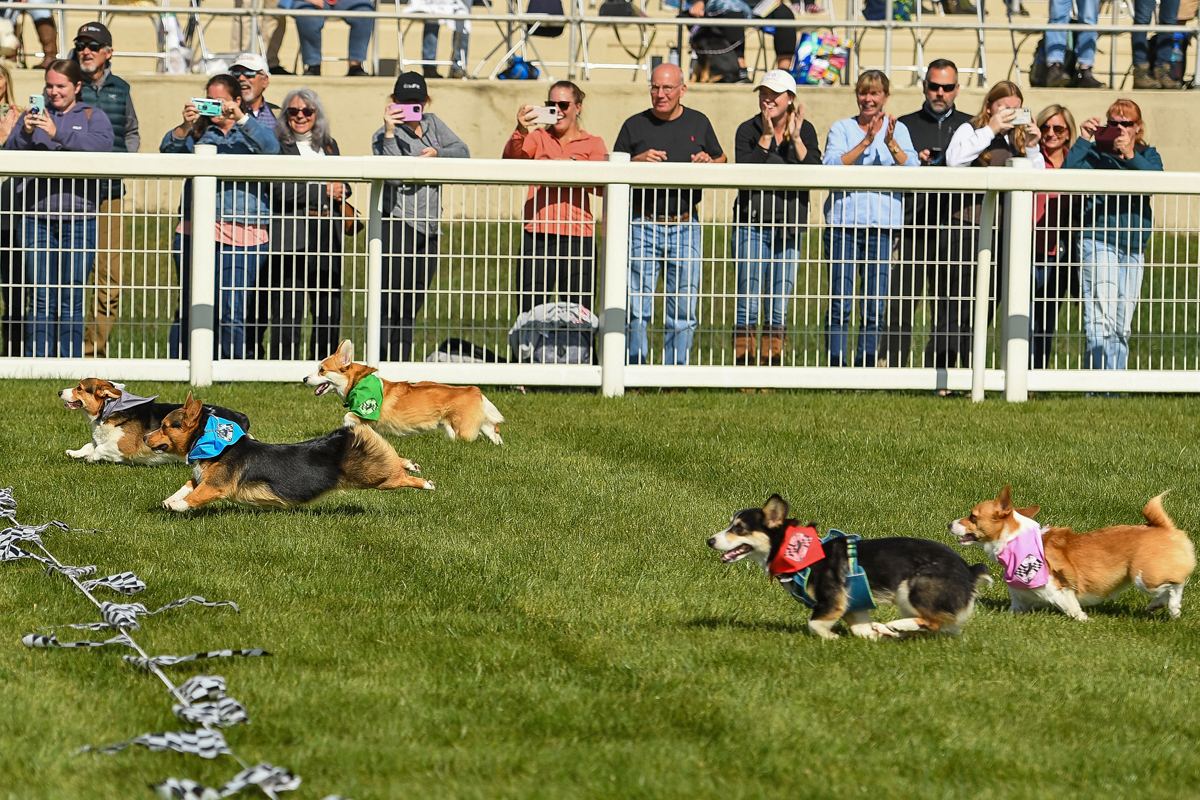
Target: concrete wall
483	113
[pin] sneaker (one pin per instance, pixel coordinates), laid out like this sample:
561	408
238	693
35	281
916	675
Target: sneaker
312	69
430	71
456	73
1143	78
1056	76
743	75
1162	73
279	69
356	71
1085	80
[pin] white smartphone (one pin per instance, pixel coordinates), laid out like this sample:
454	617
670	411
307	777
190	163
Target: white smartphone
545	115
1022	117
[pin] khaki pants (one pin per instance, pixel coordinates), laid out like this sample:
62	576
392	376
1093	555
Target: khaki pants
270	28
103	310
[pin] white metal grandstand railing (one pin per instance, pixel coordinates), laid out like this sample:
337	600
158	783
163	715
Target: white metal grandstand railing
928	319
576	21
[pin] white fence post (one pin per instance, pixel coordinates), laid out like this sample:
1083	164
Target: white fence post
616	294
1018	228
203	313
374	274
983	279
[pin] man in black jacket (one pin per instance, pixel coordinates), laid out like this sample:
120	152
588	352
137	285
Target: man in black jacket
937	247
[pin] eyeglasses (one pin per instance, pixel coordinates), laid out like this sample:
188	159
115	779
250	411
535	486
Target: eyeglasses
1057	130
1122	123
562	105
88	44
301	112
930	86
244	73
654	89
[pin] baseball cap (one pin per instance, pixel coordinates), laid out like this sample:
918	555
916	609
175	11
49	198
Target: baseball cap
778	80
94	31
410	88
251	61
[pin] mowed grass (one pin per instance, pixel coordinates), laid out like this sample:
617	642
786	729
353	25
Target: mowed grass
550	624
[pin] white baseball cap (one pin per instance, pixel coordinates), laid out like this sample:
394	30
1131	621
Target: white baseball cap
255	62
778	80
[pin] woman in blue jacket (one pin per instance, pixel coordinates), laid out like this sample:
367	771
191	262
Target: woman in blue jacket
60	221
243	219
1116	228
859	236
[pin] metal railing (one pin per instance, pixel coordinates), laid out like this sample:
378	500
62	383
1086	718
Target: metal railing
577	22
980	289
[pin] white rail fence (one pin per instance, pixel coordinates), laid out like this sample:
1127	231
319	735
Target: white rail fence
980	290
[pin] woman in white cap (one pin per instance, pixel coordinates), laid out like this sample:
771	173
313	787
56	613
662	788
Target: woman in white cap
769	222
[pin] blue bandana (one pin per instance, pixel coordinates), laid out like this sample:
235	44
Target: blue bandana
218	434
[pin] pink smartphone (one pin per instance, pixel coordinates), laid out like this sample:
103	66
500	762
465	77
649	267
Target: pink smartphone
409	112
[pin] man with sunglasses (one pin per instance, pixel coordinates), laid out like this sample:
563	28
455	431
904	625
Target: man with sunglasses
105	91
930	244
253	75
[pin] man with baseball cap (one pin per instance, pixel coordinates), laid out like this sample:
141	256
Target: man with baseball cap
253	75
105	91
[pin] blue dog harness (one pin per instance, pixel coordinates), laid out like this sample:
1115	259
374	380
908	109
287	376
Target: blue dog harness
858	589
218	434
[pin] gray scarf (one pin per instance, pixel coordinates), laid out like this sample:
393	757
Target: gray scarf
126	401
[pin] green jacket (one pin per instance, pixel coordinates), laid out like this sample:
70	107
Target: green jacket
1123	220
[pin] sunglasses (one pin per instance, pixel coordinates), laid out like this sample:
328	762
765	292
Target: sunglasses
88	44
1122	123
930	86
244	73
301	112
562	105
1057	130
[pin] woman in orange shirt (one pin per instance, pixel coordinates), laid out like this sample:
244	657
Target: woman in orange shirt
558	246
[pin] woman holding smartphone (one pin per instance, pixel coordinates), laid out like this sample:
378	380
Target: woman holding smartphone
1114	233
243	219
411	212
60	213
558	245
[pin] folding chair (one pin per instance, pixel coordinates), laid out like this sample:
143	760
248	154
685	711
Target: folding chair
524	42
639	51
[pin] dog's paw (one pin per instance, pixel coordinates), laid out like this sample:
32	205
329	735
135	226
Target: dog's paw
77	453
429	485
176	504
413	467
884	630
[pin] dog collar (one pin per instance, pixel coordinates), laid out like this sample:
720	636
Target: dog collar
365	400
126	401
1024	558
801	547
218	434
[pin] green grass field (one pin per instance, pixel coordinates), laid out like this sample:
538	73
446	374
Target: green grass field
549	623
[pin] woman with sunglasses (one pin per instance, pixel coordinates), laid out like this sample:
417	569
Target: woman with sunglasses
1056	216
1114	232
558	245
308	225
60	213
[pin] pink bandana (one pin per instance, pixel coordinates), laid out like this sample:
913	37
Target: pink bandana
1024	559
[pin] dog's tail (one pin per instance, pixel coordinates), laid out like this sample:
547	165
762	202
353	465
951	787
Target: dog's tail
983	575
1155	515
491	421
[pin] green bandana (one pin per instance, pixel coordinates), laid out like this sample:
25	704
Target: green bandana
366	398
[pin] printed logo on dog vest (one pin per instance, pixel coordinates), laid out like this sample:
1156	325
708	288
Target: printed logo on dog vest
800	548
1028	569
225	431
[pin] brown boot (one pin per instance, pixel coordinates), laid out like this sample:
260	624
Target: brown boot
771	352
743	344
48	35
1143	78
1162	74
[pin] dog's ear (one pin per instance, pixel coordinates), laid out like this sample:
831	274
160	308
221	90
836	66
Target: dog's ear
1004	500
345	352
112	392
1028	511
776	511
191	411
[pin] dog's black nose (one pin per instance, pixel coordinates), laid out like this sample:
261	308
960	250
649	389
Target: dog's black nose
712	540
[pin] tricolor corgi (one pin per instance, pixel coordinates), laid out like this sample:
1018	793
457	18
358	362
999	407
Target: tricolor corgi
932	586
228	464
1058	568
403	408
120	420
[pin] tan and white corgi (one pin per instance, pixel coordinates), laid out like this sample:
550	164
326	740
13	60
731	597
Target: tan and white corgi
402	408
1059	568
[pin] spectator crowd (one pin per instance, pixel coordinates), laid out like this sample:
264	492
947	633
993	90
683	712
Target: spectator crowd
279	243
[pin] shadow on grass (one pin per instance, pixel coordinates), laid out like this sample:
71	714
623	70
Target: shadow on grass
221	509
733	623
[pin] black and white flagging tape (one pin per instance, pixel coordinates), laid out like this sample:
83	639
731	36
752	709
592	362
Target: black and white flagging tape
201	699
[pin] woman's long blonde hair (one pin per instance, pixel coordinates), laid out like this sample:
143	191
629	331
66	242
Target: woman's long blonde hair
984	117
8	96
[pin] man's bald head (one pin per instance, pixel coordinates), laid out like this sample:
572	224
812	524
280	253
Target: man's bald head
666	91
667	74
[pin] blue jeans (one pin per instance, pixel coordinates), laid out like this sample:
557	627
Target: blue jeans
58	254
766	268
852	251
237	274
1110	283
678	246
1143	14
429	39
1085	43
309	30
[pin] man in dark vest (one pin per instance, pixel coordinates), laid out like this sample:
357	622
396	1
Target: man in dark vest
110	94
